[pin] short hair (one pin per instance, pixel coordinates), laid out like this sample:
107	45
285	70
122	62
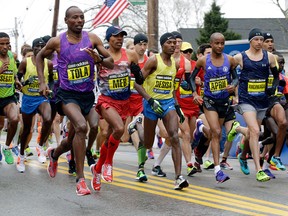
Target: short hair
129	43
4	35
25	46
201	49
26	50
67	11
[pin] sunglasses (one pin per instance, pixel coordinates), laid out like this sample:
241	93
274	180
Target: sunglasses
187	51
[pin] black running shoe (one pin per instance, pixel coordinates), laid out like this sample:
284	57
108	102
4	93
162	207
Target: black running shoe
90	159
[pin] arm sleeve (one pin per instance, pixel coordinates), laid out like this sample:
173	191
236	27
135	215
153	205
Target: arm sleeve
192	79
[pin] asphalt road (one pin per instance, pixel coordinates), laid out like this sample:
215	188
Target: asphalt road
35	193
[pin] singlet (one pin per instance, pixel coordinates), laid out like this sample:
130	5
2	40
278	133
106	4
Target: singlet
132	80
253	81
33	88
7	78
75	65
160	84
115	82
216	79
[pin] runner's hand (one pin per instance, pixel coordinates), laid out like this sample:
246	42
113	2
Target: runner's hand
184	84
180	113
156	106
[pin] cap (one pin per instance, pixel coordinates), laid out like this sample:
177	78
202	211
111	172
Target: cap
114	30
37	42
267	35
186	46
165	37
255	33
46	38
177	34
140	38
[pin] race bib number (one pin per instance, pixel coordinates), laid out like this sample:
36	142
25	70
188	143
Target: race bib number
256	86
6	79
79	72
163	84
118	82
270	80
55	75
218	84
176	83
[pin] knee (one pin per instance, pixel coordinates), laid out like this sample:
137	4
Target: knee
81	128
216	133
119	131
254	131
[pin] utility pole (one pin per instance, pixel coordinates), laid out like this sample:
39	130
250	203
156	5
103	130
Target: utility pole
152	16
16	36
55	18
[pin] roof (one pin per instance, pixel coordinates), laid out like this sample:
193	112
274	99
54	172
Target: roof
278	27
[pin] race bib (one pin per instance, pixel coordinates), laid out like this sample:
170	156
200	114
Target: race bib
218	84
6	79
78	72
163	84
256	86
118	82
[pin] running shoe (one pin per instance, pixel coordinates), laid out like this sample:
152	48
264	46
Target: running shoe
180	183
273	167
96	179
15	150
141	176
208	165
20	164
221	177
197	134
268	172
8	156
232	133
132	125
72	168
226	166
28	152
198	166
107	172
160	142
81	188
1	153
262	176
98	154
150	154
243	165
157	171
94	155
68	156
90	159
52	165
276	161
191	170
41	154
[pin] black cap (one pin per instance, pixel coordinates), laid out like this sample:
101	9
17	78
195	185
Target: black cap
267	35
140	38
165	37
38	41
255	33
177	34
46	38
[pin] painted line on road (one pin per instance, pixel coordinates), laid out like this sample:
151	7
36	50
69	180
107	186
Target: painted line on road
194	194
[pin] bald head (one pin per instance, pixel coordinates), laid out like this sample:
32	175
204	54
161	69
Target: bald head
216	36
67	13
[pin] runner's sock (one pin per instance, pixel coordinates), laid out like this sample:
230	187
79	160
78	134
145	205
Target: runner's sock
141	154
163	152
102	158
112	147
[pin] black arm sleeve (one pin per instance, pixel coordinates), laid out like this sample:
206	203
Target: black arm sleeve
191	82
235	79
275	73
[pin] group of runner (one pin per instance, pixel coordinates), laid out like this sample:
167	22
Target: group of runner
167	90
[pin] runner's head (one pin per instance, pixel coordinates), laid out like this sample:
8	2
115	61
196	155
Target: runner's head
4	43
140	43
115	36
168	43
268	43
256	38
179	40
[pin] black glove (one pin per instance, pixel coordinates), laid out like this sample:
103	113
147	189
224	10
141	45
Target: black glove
180	114
156	106
270	91
184	84
29	81
136	70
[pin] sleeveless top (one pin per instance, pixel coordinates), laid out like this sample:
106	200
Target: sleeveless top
75	65
160	84
253	81
115	82
216	79
7	78
33	88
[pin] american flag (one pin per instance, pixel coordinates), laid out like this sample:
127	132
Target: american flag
109	11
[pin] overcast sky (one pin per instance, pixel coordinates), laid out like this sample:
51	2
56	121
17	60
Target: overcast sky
34	17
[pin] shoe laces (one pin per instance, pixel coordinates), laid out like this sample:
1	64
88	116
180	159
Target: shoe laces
109	169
